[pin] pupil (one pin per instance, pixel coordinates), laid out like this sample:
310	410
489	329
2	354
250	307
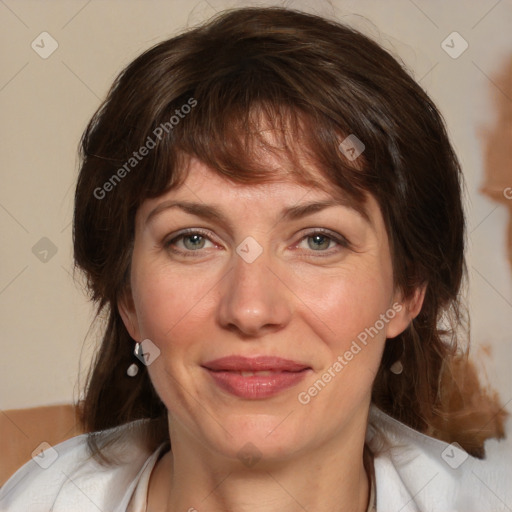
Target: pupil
196	240
320	238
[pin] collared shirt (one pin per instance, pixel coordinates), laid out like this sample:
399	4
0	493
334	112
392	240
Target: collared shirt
413	473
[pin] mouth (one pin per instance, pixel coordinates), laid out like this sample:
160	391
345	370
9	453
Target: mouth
255	364
255	378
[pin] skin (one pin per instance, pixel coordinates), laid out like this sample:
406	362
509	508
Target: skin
303	298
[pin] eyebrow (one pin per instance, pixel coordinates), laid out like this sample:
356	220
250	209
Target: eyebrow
287	214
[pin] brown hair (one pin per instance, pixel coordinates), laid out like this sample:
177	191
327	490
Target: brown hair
315	81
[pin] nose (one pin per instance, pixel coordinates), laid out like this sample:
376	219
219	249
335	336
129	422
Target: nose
254	299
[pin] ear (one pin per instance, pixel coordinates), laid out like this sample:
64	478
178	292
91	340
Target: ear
126	308
406	311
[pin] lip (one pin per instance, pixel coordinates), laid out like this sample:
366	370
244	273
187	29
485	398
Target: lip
255	364
281	374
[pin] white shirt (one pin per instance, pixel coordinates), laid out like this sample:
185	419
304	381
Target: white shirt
418	474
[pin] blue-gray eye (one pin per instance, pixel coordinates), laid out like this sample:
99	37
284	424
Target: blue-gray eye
197	241
192	241
320	242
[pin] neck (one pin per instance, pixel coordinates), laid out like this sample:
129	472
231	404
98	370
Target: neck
331	478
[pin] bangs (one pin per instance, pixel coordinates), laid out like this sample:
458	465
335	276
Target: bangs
261	141
239	109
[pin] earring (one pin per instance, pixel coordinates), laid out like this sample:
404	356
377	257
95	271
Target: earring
133	369
397	367
137	352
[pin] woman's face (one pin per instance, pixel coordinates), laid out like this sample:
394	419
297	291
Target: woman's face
221	269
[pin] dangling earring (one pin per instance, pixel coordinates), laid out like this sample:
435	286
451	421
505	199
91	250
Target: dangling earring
397	367
133	369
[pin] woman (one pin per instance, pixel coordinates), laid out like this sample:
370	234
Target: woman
269	216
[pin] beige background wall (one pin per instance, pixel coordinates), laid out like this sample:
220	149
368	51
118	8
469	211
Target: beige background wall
45	104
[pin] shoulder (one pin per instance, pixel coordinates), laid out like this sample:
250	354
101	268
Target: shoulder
65	477
415	472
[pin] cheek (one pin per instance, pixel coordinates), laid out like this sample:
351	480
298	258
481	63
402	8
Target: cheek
344	302
171	309
165	300
345	313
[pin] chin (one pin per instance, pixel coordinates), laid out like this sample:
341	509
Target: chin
262	437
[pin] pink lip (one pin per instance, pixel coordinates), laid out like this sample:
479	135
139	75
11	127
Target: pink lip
254	364
226	373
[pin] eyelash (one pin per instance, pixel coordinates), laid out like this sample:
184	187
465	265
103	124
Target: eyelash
339	239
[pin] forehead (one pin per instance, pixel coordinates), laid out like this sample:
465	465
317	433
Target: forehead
198	178
280	180
270	144
207	193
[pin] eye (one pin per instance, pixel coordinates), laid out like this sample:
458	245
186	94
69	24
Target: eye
321	240
188	241
191	241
